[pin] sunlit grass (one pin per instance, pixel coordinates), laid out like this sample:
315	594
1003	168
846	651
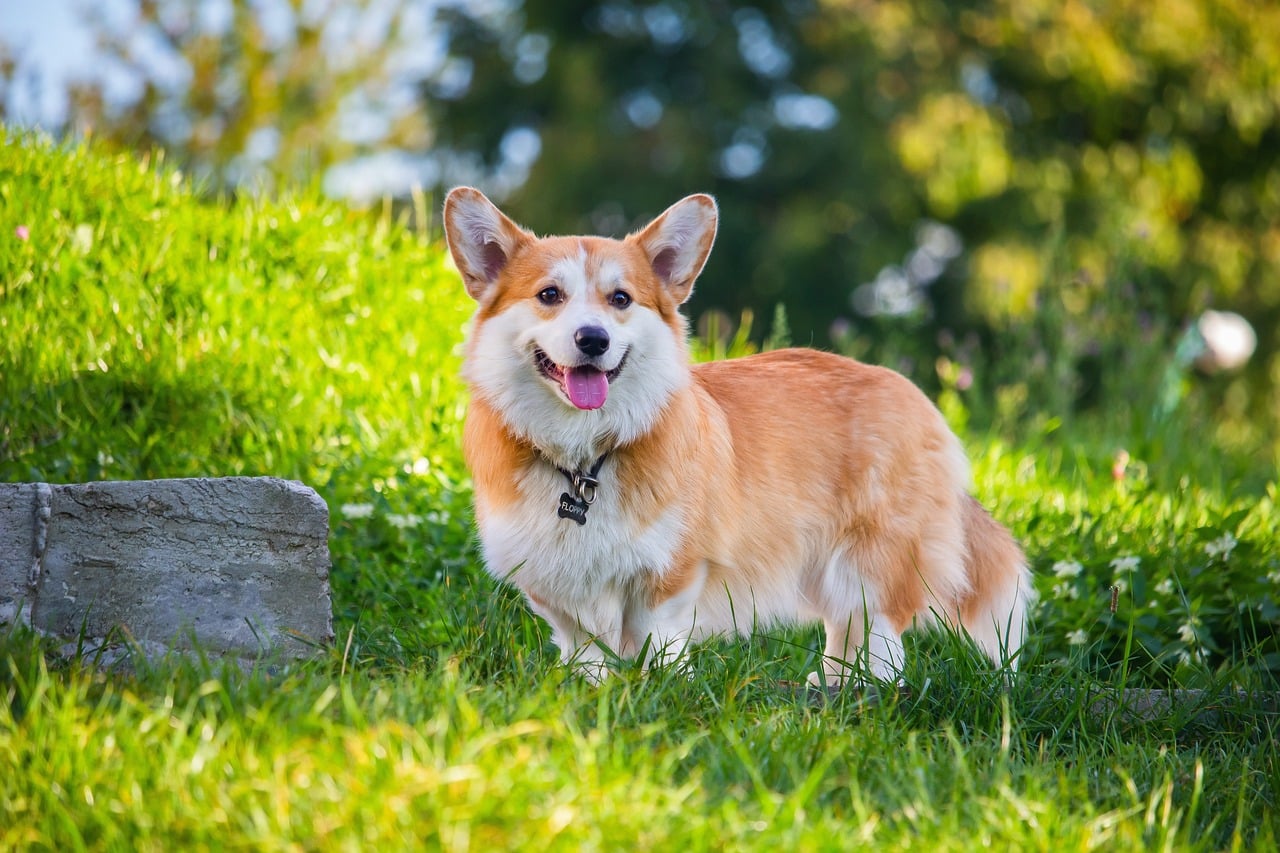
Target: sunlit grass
144	333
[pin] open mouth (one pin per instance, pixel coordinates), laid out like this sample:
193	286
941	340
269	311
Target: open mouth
586	386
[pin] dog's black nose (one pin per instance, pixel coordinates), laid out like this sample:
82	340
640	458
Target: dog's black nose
592	340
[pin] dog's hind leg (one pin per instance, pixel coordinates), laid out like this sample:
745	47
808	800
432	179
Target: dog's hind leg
859	643
994	611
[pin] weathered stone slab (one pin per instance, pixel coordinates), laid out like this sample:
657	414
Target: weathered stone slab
18	504
236	566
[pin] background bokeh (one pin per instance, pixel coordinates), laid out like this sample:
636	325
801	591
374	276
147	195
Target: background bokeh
1026	205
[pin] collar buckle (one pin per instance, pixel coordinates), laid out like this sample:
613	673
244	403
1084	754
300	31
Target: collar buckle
585	486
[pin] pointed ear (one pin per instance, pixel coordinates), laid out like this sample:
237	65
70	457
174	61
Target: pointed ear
481	238
678	242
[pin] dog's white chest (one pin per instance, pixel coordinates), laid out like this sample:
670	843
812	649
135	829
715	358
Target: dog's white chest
533	547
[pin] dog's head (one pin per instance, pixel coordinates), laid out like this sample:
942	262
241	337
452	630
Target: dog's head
577	333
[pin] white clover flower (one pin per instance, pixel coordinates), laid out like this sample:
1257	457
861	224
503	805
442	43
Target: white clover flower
1221	547
356	510
403	521
1078	637
1066	590
1128	563
1067	569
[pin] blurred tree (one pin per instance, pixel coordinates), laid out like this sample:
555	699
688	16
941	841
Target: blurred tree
249	94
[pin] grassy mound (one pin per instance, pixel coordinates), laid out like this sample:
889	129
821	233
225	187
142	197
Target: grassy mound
147	333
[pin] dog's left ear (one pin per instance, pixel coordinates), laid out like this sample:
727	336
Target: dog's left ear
678	242
481	238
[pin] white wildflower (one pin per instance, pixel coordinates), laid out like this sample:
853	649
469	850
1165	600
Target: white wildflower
1187	632
1125	564
1165	587
1078	637
356	510
1221	547
403	521
1067	569
1274	577
1066	590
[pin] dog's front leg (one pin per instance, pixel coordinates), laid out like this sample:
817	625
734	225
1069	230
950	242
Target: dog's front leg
588	634
666	623
662	644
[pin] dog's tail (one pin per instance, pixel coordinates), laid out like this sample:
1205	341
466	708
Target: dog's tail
994	611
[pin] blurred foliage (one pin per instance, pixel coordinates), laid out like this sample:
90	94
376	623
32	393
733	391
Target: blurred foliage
1029	190
249	95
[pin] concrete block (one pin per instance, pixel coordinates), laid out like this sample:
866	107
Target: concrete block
235	566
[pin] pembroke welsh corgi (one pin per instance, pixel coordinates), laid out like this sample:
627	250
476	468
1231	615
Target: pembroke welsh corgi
641	502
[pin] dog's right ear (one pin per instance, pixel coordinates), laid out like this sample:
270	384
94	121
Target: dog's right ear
481	238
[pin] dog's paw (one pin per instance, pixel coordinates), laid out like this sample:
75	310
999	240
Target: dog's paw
592	672
832	681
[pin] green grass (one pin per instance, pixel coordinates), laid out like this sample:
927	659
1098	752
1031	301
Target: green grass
146	333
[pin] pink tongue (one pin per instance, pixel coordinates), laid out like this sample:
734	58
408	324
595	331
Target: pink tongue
587	387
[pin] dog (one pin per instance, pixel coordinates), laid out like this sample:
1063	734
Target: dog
641	502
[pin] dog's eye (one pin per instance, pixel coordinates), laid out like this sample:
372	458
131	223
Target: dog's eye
549	295
620	299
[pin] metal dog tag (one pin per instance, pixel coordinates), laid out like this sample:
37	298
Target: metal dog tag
572	508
